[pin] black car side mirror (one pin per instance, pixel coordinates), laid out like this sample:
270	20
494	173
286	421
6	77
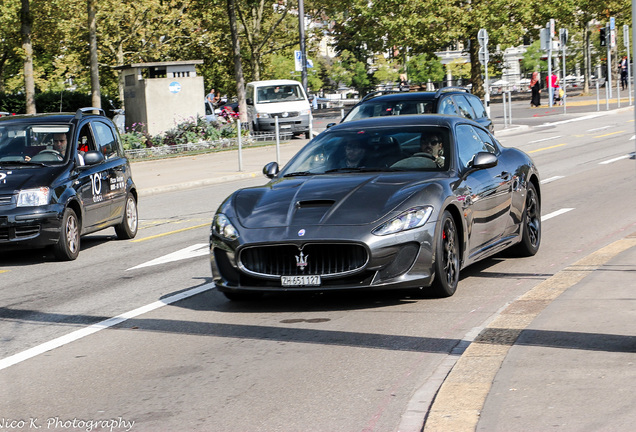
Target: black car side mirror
483	160
271	170
249	101
93	157
330	125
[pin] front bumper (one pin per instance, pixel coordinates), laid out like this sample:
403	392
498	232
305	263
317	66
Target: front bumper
399	261
32	226
297	124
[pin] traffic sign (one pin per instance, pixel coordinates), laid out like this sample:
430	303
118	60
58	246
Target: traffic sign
484	56
482	37
626	36
612	23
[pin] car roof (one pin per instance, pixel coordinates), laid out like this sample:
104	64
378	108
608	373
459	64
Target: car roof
38	118
417	95
403	121
52	117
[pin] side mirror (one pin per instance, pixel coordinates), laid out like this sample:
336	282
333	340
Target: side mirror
271	170
483	160
330	125
93	157
249	101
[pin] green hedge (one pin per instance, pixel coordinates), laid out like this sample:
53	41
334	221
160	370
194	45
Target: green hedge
65	101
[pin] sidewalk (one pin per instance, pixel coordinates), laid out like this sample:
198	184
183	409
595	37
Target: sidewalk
560	357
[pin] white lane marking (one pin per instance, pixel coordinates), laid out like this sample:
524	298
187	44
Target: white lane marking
554	214
544	139
588	117
193	251
627	156
551	179
632	138
87	331
598	128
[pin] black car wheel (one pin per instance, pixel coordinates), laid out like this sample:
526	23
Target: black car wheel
447	258
68	246
531	224
127	229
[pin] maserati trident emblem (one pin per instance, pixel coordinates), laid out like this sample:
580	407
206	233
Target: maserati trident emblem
301	261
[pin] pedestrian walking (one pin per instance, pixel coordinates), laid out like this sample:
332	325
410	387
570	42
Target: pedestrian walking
623	71
535	87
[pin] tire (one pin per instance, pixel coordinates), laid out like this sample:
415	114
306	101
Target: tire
308	135
127	229
446	258
68	246
530	225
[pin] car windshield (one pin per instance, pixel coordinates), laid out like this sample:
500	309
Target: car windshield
416	148
36	144
381	108
279	93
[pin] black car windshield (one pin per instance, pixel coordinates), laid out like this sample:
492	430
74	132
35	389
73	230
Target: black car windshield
415	148
30	143
379	108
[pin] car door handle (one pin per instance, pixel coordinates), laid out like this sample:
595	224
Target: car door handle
504	176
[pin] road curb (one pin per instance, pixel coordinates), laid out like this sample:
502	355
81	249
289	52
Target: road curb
460	399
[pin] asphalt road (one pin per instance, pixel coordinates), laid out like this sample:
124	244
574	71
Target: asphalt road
180	357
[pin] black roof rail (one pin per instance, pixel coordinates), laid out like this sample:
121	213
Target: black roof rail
81	112
450	88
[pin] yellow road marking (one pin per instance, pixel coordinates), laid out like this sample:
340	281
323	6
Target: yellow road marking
547	148
4	271
169	233
611	133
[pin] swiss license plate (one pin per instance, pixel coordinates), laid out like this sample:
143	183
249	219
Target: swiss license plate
293	281
287	126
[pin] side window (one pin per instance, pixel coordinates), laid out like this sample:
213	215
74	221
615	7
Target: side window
464	107
468	144
475	102
488	140
106	139
85	140
446	106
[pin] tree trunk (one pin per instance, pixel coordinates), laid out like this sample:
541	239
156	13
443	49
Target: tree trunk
587	59
475	69
96	99
238	66
29	80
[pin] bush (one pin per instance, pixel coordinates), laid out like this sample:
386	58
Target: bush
64	101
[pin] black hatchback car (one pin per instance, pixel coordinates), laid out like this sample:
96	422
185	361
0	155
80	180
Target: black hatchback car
447	100
63	176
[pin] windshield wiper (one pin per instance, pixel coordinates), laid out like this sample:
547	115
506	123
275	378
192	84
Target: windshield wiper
355	169
21	162
299	174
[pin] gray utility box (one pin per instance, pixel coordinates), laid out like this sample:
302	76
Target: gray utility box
161	95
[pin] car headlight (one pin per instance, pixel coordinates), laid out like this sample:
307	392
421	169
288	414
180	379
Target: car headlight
305	112
412	218
262	115
223	227
33	197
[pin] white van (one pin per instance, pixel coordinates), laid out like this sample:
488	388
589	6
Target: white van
285	99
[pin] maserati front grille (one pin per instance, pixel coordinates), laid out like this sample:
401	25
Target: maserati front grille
326	259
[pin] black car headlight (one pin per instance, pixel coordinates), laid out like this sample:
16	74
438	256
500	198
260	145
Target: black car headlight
412	218
222	226
33	197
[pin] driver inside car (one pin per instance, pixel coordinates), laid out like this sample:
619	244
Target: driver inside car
59	146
